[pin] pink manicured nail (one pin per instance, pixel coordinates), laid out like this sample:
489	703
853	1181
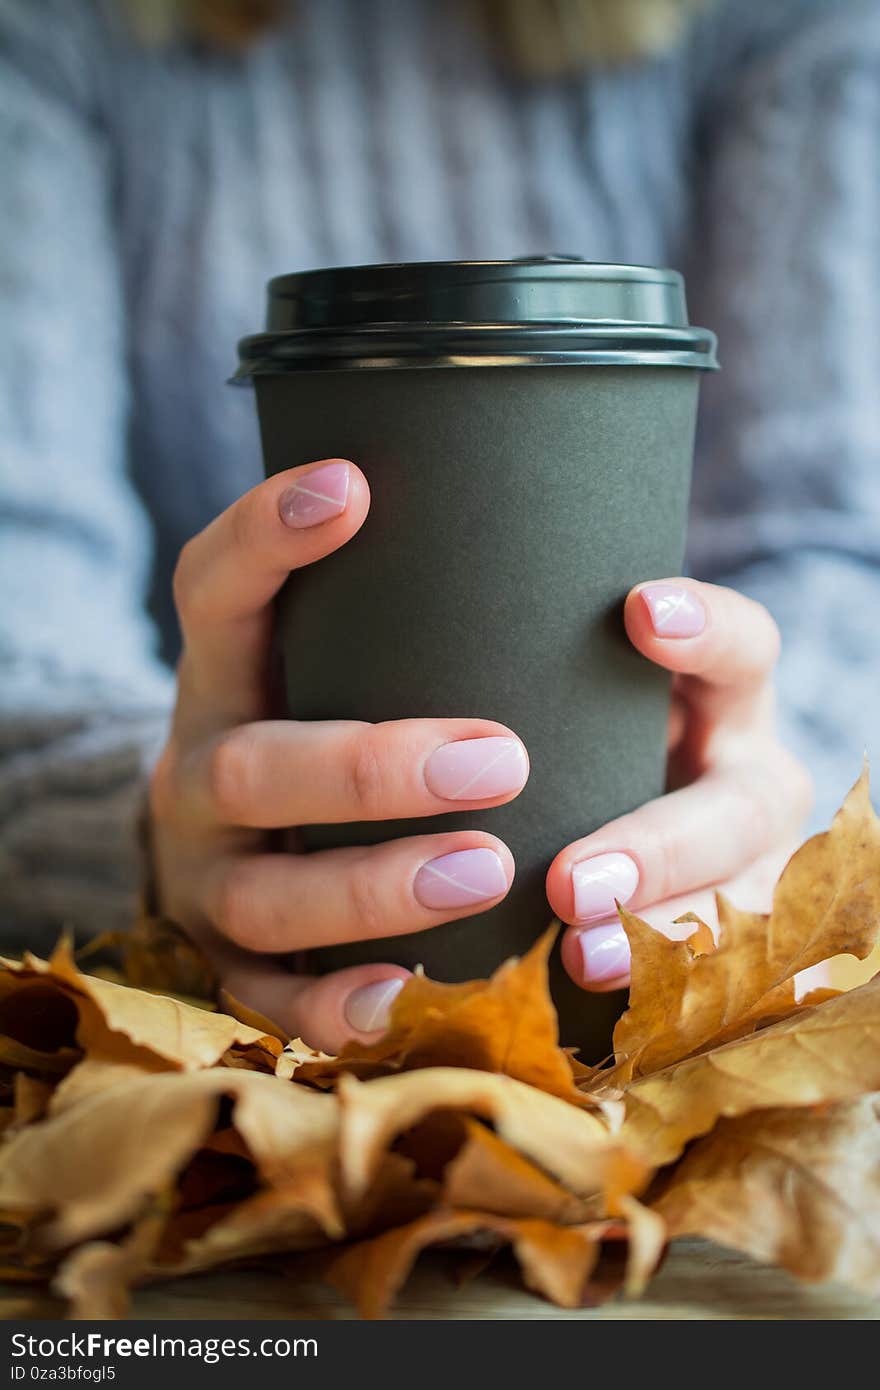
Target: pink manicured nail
599	882
674	612
475	768
316	496
462	879
369	1009
605	953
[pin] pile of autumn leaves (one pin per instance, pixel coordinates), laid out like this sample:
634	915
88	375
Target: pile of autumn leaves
146	1138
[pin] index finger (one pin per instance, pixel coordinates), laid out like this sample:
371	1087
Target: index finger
229	573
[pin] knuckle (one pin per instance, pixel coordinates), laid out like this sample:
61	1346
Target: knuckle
773	795
744	647
665	869
755	794
761	805
369	916
367	778
760	655
236	908
231	775
242	521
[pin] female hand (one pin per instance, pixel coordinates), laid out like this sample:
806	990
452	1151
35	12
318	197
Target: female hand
740	798
230	776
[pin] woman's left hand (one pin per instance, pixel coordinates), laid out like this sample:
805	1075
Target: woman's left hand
737	797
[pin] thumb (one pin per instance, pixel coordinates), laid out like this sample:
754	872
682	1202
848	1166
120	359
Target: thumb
325	1011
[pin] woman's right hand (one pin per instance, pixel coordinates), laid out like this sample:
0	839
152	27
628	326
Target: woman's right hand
230	775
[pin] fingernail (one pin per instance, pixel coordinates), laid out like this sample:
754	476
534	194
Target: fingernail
474	768
315	497
600	882
369	1009
461	879
674	612
605	953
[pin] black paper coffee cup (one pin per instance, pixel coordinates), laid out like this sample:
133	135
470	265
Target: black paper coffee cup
527	432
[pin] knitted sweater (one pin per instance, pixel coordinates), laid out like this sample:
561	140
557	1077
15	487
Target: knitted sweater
148	194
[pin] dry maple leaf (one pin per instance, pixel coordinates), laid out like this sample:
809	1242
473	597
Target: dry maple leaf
820	1055
647	1235
488	1175
115	1141
98	1017
16	1057
144	1138
506	1024
96	1278
570	1144
283	1220
796	1188
687	996
31	1099
252	1017
158	955
556	1261
295	1055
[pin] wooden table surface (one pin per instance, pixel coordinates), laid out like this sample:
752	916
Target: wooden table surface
698	1281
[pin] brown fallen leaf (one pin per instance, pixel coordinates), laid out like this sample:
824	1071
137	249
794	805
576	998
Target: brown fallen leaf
296	1054
148	1030
399	1193
31	1099
570	1144
29	1061
252	1017
687	997
796	1188
157	955
37	1026
556	1261
284	1220
819	1056
92	1168
21	1309
488	1175
39	1272
506	1024
101	1154
91	1077
96	1278
846	972
647	1236
467	1123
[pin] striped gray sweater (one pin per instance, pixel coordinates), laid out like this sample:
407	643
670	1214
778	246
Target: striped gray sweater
146	197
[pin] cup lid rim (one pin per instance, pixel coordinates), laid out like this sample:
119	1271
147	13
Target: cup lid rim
541	267
455	312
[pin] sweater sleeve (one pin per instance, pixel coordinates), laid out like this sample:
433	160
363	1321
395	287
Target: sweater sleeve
787	486
83	699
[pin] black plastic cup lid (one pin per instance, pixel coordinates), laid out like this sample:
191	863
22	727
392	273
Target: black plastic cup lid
550	310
